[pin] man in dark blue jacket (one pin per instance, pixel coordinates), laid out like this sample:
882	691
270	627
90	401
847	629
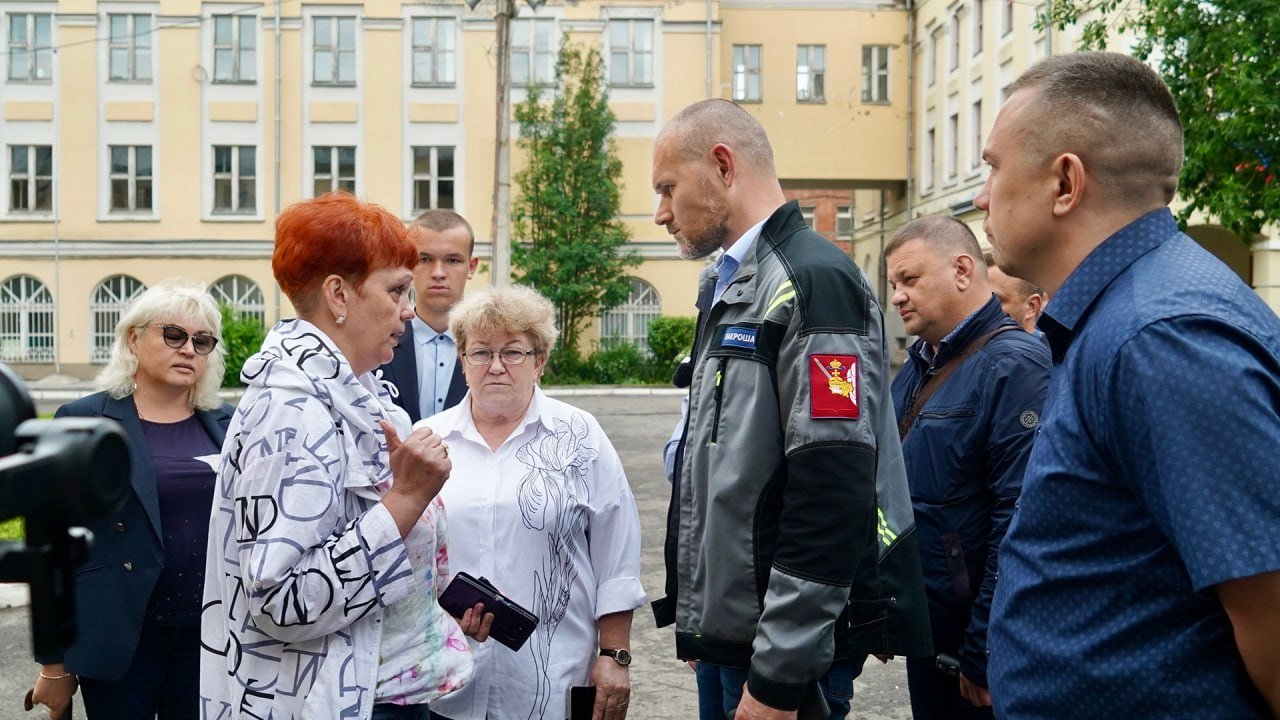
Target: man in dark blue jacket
968	401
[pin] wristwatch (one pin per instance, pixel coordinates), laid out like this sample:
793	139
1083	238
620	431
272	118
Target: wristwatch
621	655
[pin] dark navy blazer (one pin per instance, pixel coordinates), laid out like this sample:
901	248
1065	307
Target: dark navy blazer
113	587
402	372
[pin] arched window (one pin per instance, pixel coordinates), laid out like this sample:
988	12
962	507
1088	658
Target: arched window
629	322
106	304
242	294
26	320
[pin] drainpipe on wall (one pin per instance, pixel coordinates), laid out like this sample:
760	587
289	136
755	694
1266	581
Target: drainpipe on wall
277	140
709	85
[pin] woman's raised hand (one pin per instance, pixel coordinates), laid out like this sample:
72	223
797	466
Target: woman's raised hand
419	467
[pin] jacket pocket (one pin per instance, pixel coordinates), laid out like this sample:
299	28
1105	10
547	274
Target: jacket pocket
721	365
90	570
957	568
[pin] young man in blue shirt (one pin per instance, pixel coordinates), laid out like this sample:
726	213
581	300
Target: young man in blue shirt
1141	572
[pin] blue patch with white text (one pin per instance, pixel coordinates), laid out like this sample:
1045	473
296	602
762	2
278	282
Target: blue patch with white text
740	337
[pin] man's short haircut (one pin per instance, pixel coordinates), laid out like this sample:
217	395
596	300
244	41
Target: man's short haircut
1026	288
442	220
1115	113
941	233
700	126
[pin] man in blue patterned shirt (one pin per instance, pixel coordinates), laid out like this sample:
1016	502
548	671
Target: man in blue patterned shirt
1141	572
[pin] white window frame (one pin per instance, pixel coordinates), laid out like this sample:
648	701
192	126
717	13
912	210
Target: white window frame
630	64
242	294
36	61
107	302
235	178
875	74
243	55
932	69
811	74
133	178
952	160
809	213
976	24
441	43
331	76
744	71
975	134
953	30
539	59
433	177
31	179
26	321
332	173
844	223
928	156
632	318
135	43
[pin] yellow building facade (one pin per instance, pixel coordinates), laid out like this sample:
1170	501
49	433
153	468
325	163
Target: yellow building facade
143	140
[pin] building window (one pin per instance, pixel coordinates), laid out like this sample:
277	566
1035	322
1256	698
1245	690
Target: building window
434	49
810	214
875	73
975	133
26	320
242	295
433	176
106	304
130	177
631	53
235	43
1006	18
629	322
953	60
334	169
932	70
927	159
234	174
746	73
977	27
953	145
333	51
533	59
30	178
811	73
130	48
30	47
844	222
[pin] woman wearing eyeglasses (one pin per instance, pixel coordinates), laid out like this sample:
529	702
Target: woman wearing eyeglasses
540	506
138	595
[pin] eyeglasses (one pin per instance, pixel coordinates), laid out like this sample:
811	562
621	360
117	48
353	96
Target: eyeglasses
175	337
509	356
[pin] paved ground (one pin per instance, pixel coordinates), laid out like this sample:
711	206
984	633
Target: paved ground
663	687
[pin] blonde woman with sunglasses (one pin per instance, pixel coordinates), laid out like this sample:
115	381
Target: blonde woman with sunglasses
138	595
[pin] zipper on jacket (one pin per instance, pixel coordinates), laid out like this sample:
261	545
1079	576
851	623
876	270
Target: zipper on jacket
719	395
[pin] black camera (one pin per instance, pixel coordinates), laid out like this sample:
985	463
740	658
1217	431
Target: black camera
57	475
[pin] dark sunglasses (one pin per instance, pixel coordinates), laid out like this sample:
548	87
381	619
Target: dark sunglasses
175	337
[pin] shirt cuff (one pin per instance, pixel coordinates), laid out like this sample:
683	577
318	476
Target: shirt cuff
618	595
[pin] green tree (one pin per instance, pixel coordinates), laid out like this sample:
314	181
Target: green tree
571	246
1221	60
242	335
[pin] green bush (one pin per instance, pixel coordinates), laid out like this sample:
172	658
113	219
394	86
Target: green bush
564	367
671	338
242	336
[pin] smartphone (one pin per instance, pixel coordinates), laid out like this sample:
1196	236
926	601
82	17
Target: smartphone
512	624
580	702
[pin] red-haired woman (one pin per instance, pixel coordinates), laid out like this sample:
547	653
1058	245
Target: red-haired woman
327	543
